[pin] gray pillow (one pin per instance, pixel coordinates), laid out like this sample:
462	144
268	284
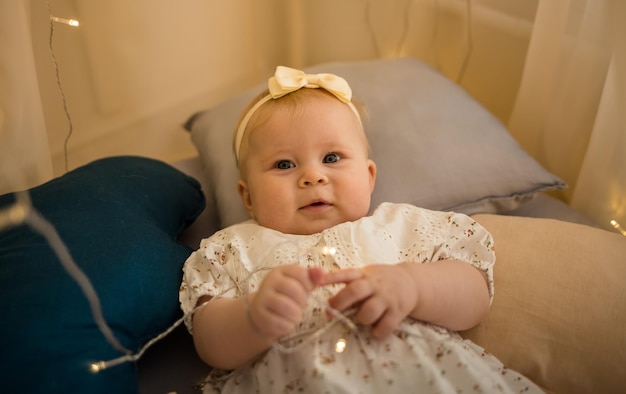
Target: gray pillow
434	145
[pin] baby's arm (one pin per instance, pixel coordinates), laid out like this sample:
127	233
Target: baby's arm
222	335
449	293
226	335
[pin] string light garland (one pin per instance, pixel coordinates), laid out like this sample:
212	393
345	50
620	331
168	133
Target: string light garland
39	224
22	212
338	317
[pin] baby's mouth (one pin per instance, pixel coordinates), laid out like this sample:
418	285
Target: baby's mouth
316	204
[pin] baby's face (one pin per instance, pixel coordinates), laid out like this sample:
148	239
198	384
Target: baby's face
308	171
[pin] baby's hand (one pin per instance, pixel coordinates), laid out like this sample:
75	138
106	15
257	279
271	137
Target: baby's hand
383	295
277	307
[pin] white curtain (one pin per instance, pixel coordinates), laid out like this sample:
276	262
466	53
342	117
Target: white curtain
24	154
570	108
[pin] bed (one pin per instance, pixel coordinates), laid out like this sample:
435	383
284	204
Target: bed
129	223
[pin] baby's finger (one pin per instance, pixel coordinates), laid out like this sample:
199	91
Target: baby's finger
355	292
300	274
273	319
371	311
316	275
386	325
339	276
286	309
292	289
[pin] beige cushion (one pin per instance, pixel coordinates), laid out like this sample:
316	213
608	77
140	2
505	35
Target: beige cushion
559	313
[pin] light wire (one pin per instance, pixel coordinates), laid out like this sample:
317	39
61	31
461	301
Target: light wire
23	212
404	34
470	43
70	131
339	317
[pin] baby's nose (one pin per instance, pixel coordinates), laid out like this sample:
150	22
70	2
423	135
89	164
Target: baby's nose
312	177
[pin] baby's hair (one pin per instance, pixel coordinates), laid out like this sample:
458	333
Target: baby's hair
250	125
293	103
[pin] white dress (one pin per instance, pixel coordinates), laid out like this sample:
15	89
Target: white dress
418	357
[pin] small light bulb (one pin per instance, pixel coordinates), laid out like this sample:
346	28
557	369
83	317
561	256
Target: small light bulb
96	367
14	215
69	22
617	226
341	345
326	251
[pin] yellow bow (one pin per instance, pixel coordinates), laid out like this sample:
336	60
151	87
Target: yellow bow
287	80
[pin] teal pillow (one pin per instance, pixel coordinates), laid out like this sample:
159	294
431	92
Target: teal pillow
119	217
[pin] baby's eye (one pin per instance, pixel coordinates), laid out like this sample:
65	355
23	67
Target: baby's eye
331	158
284	165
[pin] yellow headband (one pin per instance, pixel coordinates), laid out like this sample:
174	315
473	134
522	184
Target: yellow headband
287	80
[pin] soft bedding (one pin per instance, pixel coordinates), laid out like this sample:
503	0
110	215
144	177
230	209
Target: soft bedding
560	303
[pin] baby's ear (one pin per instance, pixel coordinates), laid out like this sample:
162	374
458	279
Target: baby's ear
244	193
371	167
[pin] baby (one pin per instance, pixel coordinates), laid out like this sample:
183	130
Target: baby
313	294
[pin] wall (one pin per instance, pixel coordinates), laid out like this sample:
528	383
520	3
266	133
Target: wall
484	53
139	68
